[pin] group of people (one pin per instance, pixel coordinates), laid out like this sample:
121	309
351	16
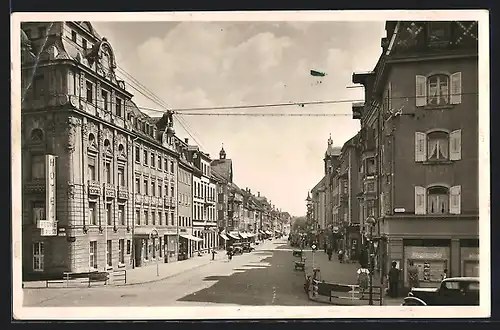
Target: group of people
329	251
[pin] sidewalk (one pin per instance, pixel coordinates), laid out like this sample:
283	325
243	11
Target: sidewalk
340	273
151	273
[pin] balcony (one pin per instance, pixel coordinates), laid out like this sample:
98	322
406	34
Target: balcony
94	188
146	200
166	202
153	200
109	190
173	202
123	193
138	198
35	186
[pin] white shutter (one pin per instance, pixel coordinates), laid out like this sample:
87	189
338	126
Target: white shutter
455	197
420	146
420	91
420	200
456	88
456	145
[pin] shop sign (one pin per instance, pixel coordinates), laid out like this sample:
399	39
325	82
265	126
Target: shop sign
427	255
48	228
50	190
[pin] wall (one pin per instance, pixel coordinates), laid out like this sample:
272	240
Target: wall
462	116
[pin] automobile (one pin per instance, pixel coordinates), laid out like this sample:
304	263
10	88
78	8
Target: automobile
247	247
453	291
237	248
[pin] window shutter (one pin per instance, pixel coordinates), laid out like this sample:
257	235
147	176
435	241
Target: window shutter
420	147
456	88
456	145
455	197
420	204
420	91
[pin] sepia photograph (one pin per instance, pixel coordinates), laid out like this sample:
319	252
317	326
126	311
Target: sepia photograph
250	165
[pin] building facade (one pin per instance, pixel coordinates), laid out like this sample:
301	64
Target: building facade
109	166
420	120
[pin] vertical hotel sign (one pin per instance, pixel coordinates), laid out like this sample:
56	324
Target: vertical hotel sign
49	227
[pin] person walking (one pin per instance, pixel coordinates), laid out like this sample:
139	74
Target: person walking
393	280
213	254
325	247
413	275
445	274
329	251
363	279
341	256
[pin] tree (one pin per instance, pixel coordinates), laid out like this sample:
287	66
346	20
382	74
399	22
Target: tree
299	224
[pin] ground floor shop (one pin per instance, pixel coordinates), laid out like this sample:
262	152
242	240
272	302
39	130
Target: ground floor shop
208	239
451	248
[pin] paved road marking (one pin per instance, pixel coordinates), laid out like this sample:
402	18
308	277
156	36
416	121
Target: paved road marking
274	295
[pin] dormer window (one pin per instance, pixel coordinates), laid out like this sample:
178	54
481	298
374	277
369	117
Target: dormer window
439	33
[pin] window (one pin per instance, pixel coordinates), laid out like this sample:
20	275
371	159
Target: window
137	185
145	157
138	217
38	86
172	218
438	146
38	254
42	30
129	247
121	251
146	218
121	176
109	217
166	219
118	107
370	208
121	214
38	211
153	188
438	200
159	190
439	34
104	95
160	218
91	169
38	167
153	160
93	255
166	164
166	189
145	192
153	218
137	154
439	89
84	43
172	167
109	253
172	190
159	162
92	213
90	92
107	171
73	36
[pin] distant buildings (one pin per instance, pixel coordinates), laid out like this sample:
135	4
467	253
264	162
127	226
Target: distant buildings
105	186
414	164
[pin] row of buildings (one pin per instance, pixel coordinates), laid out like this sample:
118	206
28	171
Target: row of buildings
409	178
106	186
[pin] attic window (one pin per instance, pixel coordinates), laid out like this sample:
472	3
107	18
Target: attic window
439	33
73	36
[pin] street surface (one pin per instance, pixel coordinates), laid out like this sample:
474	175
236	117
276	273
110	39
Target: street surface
262	277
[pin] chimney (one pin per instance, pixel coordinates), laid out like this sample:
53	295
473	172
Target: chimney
186	140
249	190
258	193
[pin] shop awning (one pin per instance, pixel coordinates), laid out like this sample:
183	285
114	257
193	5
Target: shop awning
233	236
224	236
191	237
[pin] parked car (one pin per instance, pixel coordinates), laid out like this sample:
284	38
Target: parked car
237	248
247	247
453	291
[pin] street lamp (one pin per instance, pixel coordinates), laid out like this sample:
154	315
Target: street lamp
371	221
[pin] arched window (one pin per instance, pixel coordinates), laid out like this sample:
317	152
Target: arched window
438	145
91	138
437	200
36	134
438	91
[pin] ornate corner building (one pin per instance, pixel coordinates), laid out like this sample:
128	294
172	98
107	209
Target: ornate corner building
116	196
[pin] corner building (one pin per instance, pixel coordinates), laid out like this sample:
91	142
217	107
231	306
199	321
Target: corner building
115	169
420	120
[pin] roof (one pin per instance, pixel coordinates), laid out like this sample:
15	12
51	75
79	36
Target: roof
320	184
224	167
352	142
216	176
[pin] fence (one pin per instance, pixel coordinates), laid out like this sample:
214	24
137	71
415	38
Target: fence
76	279
345	294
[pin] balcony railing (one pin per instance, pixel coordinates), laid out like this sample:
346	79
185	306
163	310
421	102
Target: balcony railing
35	186
123	193
146	199
138	198
173	202
94	188
109	190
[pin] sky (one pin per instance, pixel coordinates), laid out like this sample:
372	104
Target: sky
219	64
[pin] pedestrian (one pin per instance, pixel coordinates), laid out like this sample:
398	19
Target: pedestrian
413	275
325	247
341	256
393	280
213	254
363	279
445	274
329	251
